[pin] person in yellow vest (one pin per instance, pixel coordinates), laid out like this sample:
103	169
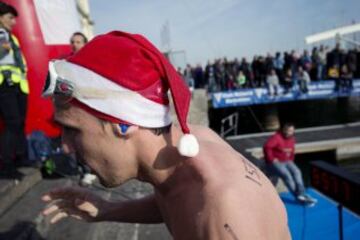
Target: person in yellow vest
13	93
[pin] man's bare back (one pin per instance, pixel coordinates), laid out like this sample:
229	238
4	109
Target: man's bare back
221	195
216	195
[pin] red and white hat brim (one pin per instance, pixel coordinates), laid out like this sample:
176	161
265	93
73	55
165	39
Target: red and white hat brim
126	104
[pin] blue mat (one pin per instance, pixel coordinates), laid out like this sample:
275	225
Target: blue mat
320	221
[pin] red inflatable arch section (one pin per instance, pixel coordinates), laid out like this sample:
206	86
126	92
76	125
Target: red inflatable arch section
39	44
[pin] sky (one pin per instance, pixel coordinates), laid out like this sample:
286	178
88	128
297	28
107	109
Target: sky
203	30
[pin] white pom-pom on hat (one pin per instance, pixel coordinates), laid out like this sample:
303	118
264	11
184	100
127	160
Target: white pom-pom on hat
188	145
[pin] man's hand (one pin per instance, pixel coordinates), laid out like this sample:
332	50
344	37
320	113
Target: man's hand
76	202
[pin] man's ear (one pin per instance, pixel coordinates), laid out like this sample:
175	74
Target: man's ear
121	130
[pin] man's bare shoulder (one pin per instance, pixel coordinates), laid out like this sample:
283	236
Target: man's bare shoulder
206	134
233	189
240	195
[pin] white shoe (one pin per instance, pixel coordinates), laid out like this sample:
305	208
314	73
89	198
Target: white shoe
310	199
306	199
88	179
301	198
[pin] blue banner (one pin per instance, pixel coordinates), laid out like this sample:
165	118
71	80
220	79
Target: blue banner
245	97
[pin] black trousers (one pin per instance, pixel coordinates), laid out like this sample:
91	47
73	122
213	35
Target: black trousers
13	104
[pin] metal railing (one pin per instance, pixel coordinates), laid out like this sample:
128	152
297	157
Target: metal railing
229	124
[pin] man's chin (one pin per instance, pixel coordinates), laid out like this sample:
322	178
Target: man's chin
107	184
104	182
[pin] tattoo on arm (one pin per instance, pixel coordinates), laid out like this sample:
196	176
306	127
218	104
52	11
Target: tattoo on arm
230	231
251	172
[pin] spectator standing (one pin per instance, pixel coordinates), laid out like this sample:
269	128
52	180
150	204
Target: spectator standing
14	90
321	65
272	81
278	64
303	79
262	70
287	60
236	66
288	80
220	74
246	69
179	71
241	80
269	62
279	152
334	74
305	61
357	72
351	61
315	59
188	75
346	77
256	71
230	81
294	62
199	76
334	58
210	77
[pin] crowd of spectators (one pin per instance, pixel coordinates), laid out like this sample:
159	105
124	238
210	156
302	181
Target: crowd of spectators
287	69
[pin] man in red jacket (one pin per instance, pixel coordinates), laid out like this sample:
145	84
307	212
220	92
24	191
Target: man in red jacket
279	151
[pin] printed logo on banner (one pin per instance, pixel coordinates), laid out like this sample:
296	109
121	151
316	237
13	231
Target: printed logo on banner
258	92
217	96
356	83
317	90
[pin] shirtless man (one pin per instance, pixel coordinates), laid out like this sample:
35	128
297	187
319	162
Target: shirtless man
203	188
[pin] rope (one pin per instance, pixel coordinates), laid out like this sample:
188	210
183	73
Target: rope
256	119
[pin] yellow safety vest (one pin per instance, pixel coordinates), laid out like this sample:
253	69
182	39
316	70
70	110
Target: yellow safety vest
16	75
334	72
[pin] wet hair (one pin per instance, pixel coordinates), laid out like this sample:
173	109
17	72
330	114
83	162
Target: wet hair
162	130
81	35
286	125
6	8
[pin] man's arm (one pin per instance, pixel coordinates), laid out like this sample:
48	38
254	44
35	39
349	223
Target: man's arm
292	155
83	204
269	146
144	210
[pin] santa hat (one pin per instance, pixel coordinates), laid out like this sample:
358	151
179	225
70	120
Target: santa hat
138	74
